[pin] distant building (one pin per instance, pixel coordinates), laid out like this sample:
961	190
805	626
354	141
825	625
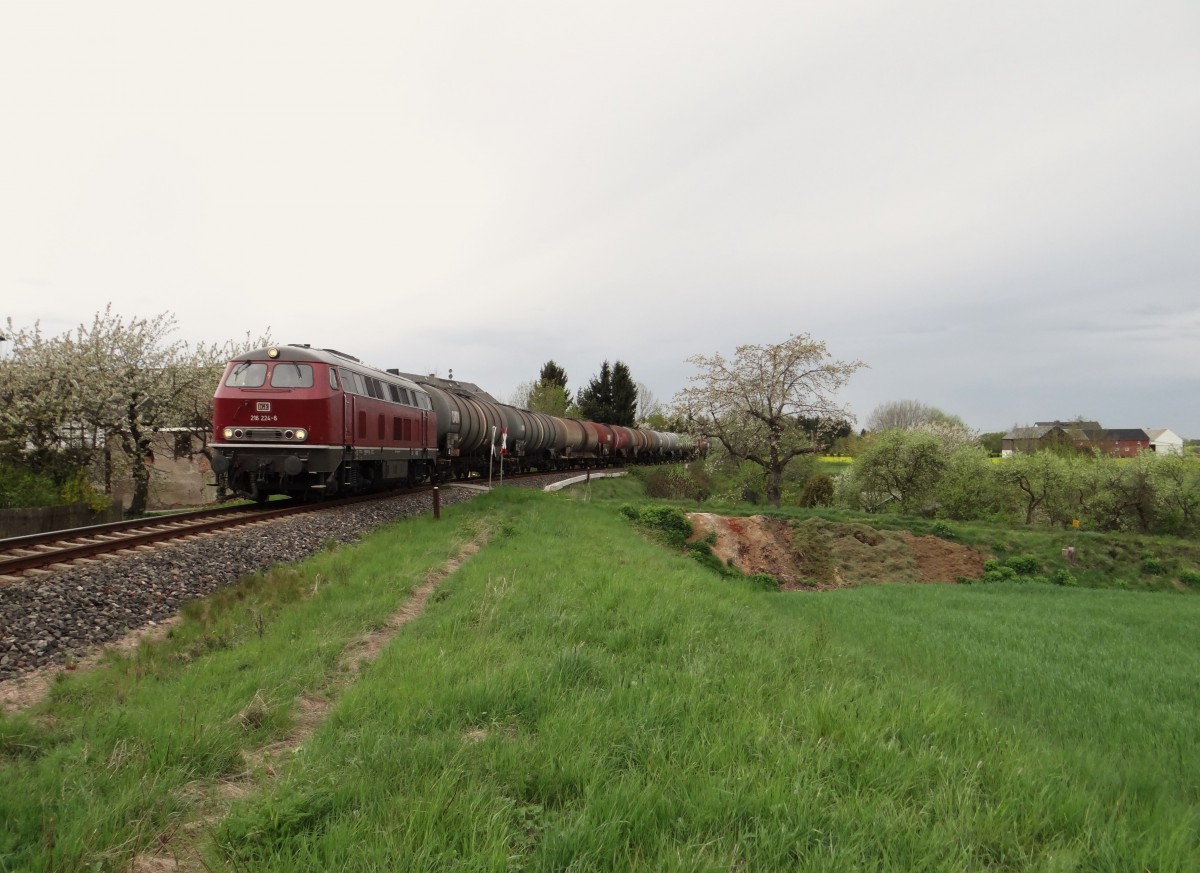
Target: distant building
1164	441
1120	443
1082	436
1032	439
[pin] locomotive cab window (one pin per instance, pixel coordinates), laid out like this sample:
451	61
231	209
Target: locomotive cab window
247	374
333	379
289	375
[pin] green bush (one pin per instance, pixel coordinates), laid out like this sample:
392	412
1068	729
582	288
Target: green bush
21	488
763	580
1152	566
943	530
669	523
702	553
1064	577
77	489
994	571
1189	577
818	491
1023	565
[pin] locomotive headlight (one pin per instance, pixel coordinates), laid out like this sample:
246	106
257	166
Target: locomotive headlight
272	353
227	433
289	434
238	433
301	434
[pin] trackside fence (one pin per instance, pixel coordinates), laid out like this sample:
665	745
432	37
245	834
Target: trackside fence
39	519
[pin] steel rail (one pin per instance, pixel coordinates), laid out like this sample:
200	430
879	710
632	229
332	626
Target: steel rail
91	542
35	551
53	536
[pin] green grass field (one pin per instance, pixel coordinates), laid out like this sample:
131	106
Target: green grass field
575	696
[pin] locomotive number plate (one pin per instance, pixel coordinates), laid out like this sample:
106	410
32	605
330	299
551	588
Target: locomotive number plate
264	406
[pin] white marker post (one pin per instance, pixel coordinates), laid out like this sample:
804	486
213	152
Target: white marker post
491	457
503	451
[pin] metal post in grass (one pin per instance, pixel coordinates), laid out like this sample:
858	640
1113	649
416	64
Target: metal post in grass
437	502
491	457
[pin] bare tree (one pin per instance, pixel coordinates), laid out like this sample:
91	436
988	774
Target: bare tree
906	415
753	404
521	394
647	403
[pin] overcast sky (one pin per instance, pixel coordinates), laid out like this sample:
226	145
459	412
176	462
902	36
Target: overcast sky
996	206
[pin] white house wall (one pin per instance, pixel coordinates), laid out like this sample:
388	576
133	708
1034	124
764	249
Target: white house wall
1167	443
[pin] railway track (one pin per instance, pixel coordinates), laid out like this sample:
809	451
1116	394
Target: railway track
43	551
56	548
84	603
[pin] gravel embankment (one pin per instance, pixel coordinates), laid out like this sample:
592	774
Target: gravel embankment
48	618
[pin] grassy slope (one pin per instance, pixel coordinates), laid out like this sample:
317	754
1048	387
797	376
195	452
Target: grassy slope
577	696
1103	560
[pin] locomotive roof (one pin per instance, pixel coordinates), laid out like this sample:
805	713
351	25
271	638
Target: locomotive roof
324	356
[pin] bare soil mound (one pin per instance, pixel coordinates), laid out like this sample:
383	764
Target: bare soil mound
819	554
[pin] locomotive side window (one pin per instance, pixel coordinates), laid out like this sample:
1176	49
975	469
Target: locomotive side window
333	380
285	374
403	395
374	388
353	382
247	374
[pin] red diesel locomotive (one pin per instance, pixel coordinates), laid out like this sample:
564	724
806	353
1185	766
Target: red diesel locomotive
295	420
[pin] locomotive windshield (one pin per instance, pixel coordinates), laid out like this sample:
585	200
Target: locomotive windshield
288	375
285	374
247	374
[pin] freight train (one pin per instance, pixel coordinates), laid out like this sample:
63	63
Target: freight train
307	422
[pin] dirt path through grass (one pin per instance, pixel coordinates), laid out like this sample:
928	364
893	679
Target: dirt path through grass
178	849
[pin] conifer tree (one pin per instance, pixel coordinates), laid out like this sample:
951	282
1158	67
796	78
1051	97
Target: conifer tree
611	397
549	394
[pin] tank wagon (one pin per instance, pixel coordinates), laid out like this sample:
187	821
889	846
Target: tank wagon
292	419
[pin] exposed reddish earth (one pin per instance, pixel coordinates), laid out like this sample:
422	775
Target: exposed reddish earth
818	554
